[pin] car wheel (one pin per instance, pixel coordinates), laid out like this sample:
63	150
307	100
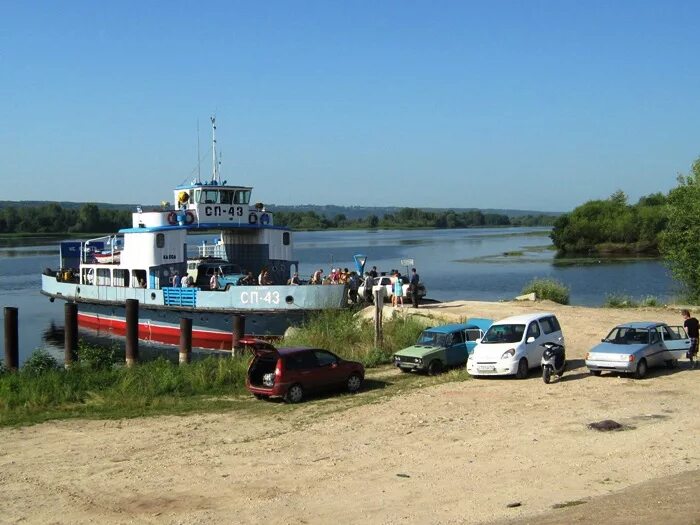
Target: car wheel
595	372
404	370
641	369
294	394
546	374
522	369
354	383
435	367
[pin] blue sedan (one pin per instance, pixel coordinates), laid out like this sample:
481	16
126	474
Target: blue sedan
633	348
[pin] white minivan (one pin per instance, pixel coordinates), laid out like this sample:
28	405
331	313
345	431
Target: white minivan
514	345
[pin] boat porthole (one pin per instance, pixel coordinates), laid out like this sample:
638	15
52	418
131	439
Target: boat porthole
77	289
153	296
289	299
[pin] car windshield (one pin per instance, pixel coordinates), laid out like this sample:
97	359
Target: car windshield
504	333
431	339
231	269
623	335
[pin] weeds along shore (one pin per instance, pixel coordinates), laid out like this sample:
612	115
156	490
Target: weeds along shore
98	385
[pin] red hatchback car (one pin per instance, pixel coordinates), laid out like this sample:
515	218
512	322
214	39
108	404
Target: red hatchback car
292	372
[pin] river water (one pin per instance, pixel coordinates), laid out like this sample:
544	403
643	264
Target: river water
467	264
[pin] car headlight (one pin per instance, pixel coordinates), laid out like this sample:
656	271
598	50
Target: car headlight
397	358
508	354
419	361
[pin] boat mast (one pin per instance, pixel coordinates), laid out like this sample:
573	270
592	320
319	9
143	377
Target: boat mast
214	163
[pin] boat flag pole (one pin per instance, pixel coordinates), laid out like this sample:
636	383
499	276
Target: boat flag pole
214	165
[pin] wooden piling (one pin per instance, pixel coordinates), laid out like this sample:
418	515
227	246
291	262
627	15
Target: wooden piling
185	340
237	334
132	331
70	340
11	338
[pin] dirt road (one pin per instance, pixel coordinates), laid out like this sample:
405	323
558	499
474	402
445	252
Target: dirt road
457	452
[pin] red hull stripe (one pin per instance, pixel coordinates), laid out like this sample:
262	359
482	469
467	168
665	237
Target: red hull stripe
161	333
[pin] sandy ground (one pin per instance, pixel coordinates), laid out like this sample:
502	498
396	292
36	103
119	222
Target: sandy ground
458	452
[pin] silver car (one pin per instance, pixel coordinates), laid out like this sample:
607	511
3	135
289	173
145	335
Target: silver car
633	348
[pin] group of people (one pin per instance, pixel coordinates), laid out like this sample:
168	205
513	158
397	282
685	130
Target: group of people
186	281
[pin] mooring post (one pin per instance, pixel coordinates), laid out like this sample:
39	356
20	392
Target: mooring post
237	334
378	310
70	340
11	338
185	340
132	331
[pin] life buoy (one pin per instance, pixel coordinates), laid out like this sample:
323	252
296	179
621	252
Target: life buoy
265	219
172	217
252	218
189	217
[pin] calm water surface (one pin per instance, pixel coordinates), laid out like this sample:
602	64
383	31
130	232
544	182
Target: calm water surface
453	264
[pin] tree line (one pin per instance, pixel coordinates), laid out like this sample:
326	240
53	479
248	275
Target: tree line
612	225
658	224
53	218
408	218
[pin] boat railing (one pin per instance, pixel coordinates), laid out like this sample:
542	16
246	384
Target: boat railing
212	250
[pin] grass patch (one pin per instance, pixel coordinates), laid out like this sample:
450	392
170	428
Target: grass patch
341	333
97	387
566	504
625	301
550	289
514	253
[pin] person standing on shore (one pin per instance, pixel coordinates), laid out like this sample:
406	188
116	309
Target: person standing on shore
692	327
415	279
398	291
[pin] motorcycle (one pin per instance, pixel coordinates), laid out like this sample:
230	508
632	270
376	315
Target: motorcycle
553	361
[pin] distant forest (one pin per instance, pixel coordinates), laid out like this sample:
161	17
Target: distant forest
25	218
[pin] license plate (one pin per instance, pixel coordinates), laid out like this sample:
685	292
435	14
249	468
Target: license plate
486	368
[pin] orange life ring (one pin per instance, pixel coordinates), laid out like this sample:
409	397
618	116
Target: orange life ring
172	217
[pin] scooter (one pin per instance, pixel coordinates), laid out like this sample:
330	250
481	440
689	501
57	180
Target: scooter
553	361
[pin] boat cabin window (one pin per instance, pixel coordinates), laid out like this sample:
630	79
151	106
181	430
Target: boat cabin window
285	238
160	240
210	196
226	196
242	197
121	277
104	277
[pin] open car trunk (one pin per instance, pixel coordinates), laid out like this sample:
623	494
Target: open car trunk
262	370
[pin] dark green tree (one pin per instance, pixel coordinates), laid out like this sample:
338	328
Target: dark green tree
679	243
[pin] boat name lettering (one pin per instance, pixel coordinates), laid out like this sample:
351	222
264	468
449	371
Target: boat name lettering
255	297
168	257
218	211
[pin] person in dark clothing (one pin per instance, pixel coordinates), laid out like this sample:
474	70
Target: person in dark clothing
373	272
692	327
415	279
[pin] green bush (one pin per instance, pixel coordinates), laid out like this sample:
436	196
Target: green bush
650	301
39	362
619	301
550	289
96	357
350	338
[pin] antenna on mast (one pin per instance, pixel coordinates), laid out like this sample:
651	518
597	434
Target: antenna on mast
199	157
214	163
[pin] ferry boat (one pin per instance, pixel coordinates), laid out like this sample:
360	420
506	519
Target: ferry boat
141	262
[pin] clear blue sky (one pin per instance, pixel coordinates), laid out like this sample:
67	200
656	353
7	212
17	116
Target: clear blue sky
504	104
